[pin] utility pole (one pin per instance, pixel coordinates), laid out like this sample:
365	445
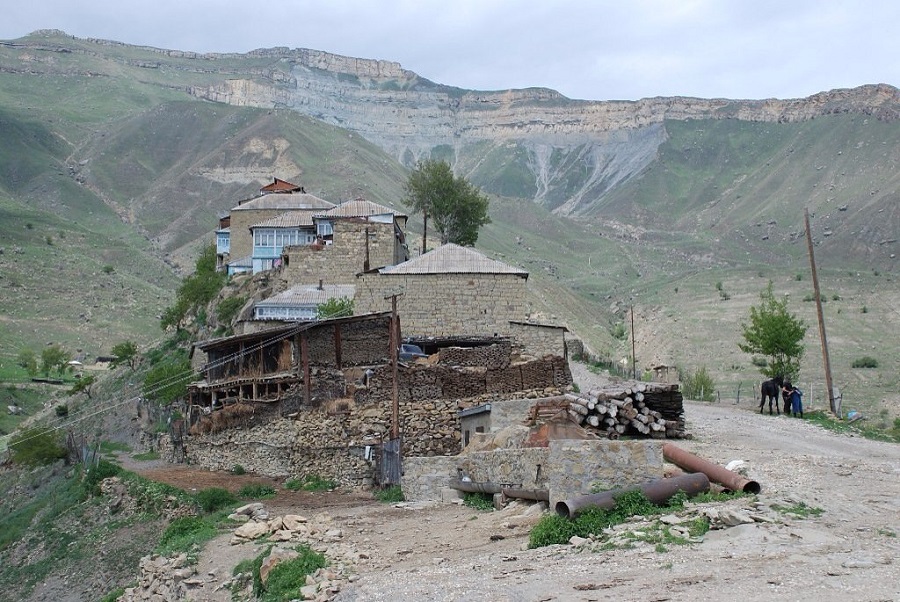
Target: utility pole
633	363
395	344
825	360
424	231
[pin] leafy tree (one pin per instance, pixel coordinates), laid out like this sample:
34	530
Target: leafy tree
196	290
776	334
36	446
125	352
168	380
699	386
228	308
54	358
456	207
28	360
335	308
84	385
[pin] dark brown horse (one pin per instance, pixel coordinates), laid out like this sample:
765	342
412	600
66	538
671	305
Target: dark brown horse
771	389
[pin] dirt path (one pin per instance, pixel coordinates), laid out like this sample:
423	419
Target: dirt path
451	553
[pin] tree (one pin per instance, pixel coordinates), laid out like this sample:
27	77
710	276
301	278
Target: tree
84	385
776	334
168	380
125	353
335	308
456	207
28	360
196	290
53	358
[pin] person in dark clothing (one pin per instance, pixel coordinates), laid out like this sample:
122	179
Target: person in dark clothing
793	398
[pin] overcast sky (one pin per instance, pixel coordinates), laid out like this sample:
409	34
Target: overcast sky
597	50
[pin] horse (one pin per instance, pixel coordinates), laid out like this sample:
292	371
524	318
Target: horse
771	389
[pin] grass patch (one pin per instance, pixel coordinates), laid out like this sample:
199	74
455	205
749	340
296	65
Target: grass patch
800	510
479	501
555	529
390	495
859	428
112	447
186	534
146	456
866	361
286	578
310	483
256	491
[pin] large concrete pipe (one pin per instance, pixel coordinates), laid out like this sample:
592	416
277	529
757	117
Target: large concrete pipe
657	491
717	474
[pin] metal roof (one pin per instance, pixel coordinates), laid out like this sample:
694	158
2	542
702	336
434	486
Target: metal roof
453	259
242	262
284	201
271	334
291	219
309	294
359	208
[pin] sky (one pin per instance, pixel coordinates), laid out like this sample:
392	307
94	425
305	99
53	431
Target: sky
593	50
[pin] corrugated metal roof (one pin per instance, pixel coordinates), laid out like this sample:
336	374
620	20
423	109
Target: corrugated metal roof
453	259
297	200
309	294
359	208
291	219
280	186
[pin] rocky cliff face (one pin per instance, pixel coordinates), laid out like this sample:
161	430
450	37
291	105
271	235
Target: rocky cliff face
409	117
532	143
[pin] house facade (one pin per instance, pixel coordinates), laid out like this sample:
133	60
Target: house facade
300	303
449	291
274	200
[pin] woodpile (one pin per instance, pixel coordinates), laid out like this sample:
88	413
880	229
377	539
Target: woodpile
640	409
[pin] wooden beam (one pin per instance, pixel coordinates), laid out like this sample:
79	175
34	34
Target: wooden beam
304	360
337	345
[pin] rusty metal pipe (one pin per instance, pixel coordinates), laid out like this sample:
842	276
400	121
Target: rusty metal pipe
717	474
540	495
473	487
657	491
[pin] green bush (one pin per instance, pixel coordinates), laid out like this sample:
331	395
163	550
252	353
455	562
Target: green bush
215	498
699	385
390	495
62	410
94	475
479	501
865	362
37	446
256	491
238	470
286	579
228	308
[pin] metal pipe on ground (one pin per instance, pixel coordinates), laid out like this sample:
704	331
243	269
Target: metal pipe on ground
492	488
657	491
717	474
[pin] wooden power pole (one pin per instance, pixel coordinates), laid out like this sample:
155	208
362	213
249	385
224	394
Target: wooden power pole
825	359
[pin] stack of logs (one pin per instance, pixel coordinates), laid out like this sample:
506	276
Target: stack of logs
648	409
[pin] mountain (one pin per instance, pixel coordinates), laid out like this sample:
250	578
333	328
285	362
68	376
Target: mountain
683	208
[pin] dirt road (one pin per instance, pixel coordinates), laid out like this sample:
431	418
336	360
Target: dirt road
848	552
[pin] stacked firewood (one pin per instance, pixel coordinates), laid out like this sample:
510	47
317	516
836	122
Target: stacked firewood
649	409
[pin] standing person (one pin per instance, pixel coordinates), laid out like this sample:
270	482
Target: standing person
793	398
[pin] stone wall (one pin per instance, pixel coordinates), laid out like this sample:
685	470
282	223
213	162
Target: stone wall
539	339
446	304
341	261
567	468
574	467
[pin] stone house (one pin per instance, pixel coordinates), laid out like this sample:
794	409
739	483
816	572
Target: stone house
234	242
352	237
449	291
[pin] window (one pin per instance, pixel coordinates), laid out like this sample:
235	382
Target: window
264	237
324	228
